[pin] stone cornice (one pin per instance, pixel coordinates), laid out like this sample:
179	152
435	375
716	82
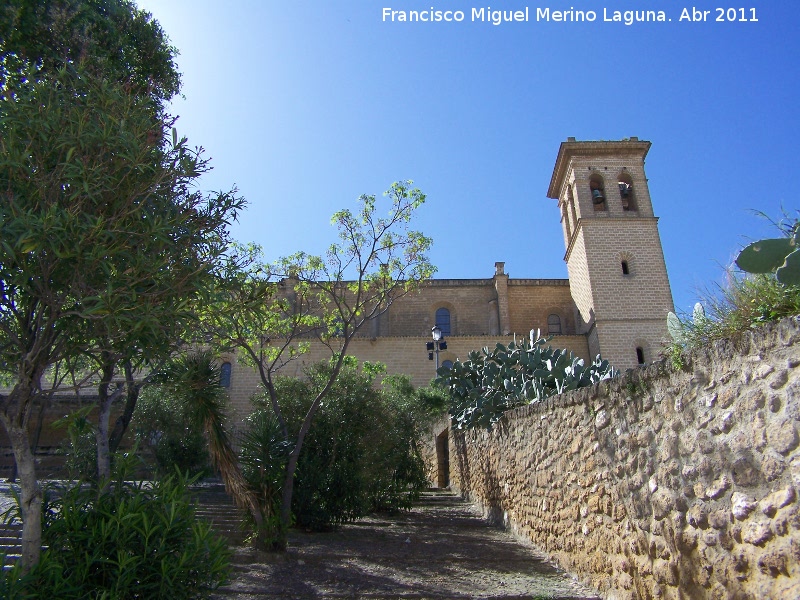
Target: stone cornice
571	149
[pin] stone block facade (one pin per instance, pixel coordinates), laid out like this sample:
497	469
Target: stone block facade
617	274
666	483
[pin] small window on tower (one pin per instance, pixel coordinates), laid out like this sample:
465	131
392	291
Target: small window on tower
625	268
640	355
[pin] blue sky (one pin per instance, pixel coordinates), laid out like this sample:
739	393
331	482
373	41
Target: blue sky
304	105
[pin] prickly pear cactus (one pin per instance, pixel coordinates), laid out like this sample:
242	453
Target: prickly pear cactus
780	255
489	383
677	329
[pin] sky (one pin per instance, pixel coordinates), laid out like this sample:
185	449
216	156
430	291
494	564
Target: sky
304	105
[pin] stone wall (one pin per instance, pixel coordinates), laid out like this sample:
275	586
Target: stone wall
665	483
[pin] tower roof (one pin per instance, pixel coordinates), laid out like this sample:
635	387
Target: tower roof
571	148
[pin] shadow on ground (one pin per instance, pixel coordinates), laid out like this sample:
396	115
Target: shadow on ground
441	549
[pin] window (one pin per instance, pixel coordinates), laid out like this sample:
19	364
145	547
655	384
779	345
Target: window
554	324
598	192
626	195
571	202
640	355
565	219
443	320
625	268
225	374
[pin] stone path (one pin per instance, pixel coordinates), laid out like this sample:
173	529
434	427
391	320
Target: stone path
441	549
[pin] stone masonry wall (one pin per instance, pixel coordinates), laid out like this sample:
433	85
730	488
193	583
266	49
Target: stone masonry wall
665	483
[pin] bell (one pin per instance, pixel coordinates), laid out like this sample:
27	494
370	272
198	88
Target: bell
624	189
597	196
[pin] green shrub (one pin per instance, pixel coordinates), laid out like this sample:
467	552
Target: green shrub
80	445
166	434
359	455
737	305
263	456
129	541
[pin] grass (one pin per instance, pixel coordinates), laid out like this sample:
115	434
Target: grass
739	304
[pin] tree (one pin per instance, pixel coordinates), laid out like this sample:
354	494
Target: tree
103	238
271	313
111	39
360	455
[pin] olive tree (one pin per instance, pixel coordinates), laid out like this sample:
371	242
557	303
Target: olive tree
272	312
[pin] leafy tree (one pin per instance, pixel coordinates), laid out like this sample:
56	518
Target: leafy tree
272	312
194	382
360	456
111	39
105	246
164	428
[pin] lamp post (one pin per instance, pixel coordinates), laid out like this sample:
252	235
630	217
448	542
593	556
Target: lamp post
436	345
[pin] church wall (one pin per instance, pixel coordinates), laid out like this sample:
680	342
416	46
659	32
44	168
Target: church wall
468	301
532	301
401	355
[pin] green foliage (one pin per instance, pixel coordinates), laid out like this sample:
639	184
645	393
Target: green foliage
489	383
679	329
111	39
264	454
272	312
132	540
106	246
80	446
360	455
167	434
737	305
780	256
768	291
194	381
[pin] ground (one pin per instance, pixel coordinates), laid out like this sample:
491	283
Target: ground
440	549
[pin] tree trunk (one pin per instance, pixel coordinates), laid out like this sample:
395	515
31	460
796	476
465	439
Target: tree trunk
101	433
122	422
31	495
291	467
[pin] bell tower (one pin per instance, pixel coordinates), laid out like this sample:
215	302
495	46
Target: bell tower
617	274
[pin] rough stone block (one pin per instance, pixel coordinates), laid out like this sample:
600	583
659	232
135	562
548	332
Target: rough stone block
783	437
756	532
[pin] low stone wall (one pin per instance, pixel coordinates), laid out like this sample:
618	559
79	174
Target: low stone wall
665	483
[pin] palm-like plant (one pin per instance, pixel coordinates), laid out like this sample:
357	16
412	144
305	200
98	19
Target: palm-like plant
194	379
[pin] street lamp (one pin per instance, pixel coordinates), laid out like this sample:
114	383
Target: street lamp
436	345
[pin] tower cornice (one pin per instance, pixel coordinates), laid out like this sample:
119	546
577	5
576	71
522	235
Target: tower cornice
572	149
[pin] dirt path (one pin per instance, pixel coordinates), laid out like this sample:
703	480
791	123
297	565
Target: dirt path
441	549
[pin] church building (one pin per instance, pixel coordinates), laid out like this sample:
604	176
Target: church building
614	303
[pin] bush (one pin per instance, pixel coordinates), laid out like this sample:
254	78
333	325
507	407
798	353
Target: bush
263	455
739	304
80	445
490	383
128	541
167	435
360	453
